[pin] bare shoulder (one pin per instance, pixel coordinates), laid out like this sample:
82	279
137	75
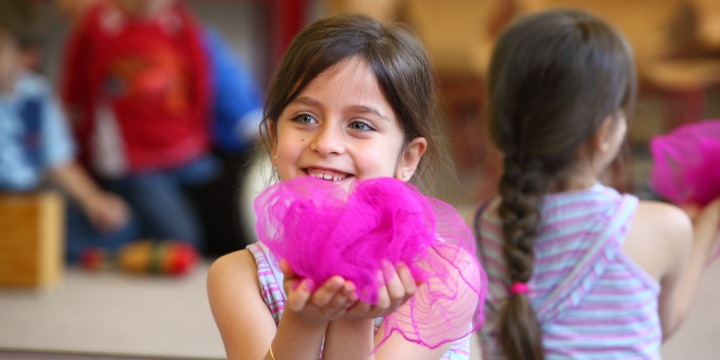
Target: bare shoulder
658	233
233	277
233	266
663	220
245	323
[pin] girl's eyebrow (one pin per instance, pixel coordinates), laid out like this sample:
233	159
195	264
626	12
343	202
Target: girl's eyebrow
362	109
306	101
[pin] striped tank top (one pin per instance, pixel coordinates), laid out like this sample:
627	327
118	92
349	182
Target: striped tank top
591	299
271	289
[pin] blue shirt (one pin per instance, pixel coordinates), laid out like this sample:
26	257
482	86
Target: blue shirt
34	135
237	103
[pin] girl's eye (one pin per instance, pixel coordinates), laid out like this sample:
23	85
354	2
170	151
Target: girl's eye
360	126
304	119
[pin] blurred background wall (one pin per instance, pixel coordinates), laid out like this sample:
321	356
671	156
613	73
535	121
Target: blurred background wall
676	44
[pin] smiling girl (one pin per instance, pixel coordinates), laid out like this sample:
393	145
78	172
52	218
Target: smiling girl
353	99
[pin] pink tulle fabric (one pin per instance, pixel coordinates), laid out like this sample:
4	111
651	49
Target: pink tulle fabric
687	163
323	230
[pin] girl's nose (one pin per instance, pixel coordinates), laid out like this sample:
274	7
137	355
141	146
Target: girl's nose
328	141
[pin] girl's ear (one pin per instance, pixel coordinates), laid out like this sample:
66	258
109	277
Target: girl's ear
410	158
604	135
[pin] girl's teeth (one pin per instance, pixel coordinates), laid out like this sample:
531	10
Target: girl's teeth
328	177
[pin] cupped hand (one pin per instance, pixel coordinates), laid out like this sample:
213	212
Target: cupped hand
692	210
399	286
320	304
108	212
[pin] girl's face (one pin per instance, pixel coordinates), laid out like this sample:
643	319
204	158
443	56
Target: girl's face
340	128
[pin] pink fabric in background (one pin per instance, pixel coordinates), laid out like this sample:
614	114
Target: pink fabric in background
687	163
323	230
686	166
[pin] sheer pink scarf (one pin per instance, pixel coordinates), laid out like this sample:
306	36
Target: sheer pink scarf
323	230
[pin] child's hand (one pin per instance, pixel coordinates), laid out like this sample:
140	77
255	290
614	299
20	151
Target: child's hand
326	303
707	226
108	212
692	210
398	289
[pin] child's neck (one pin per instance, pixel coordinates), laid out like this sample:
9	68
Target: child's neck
577	180
581	183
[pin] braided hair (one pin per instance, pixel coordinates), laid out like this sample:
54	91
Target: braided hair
554	77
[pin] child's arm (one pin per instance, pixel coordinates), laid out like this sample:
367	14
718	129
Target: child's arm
107	212
247	326
706	225
674	251
245	323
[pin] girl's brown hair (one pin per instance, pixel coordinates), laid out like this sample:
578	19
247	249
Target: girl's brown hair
554	77
396	57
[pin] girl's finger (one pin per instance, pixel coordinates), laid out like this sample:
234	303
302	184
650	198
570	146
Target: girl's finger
323	295
351	301
359	309
340	300
286	269
383	302
388	270
394	286
407	280
298	297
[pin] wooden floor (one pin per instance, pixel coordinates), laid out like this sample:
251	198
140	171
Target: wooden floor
113	314
117	317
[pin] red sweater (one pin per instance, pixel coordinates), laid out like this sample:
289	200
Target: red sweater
141	87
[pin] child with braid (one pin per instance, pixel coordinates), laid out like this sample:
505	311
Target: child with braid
576	269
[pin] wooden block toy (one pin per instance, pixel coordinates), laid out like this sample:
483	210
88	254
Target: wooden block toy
31	239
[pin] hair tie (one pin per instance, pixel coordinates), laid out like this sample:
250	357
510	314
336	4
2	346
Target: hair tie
519	288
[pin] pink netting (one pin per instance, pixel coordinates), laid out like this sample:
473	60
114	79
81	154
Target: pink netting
687	163
323	230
